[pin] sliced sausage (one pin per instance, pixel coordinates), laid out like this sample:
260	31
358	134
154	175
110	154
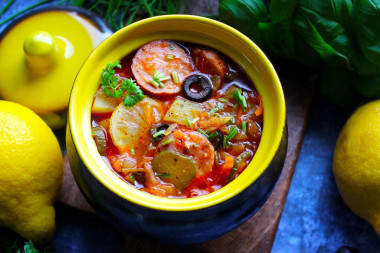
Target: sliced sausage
163	56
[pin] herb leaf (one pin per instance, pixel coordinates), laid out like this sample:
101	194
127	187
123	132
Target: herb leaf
110	83
114	86
135	94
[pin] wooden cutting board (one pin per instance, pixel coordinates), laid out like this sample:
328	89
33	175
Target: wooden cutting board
258	233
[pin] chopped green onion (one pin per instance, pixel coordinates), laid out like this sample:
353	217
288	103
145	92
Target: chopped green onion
167	142
170	57
212	135
232	134
220	106
214	110
202	132
158	133
194	120
133	151
154	83
232	119
236	105
224	141
175	77
188	123
238	96
244	126
158	77
223	100
163	175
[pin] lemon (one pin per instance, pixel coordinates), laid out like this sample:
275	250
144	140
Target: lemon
356	163
31	171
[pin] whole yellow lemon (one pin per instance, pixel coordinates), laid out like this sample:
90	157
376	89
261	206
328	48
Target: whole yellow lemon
356	163
31	172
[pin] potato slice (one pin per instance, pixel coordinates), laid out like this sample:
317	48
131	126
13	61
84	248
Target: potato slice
178	169
104	104
183	109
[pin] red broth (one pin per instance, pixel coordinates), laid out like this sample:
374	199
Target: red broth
205	145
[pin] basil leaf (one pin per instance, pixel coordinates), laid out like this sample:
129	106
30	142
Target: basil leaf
282	11
366	20
244	15
327	37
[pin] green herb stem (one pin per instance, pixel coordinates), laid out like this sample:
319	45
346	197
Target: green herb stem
167	142
223	100
212	135
194	120
6	6
158	133
23	10
202	132
232	134
244	126
175	77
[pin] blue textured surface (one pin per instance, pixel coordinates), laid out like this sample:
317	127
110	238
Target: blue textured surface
315	218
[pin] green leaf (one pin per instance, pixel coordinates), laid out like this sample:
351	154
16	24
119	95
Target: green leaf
282	11
109	82
362	65
334	10
135	94
321	34
244	15
366	20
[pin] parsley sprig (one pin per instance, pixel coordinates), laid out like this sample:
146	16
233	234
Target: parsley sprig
113	86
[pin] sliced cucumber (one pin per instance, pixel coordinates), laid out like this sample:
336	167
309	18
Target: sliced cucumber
179	169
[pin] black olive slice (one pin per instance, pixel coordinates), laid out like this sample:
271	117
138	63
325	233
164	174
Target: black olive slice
217	142
156	129
201	91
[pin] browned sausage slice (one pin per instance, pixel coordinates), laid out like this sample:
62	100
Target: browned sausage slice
163	57
209	62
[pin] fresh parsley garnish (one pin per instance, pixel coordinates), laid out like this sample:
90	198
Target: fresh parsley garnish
135	94
110	83
113	86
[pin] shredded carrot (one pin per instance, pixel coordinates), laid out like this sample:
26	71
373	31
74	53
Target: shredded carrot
229	163
238	116
260	109
131	170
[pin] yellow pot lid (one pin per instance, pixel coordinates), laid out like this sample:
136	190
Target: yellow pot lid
41	53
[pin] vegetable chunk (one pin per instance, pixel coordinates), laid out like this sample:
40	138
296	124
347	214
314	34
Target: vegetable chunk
174	168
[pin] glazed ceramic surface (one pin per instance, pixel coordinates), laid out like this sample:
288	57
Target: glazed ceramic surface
40	54
179	221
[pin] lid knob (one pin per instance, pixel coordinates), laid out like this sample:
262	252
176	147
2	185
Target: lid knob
40	50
